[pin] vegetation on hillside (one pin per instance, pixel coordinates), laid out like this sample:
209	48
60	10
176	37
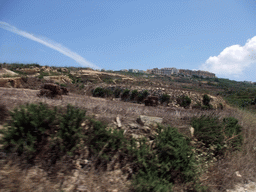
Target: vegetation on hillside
36	129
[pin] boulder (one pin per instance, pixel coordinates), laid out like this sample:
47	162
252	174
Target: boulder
133	126
50	90
146	129
192	130
147	120
118	122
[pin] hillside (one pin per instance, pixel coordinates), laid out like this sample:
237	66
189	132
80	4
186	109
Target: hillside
117	99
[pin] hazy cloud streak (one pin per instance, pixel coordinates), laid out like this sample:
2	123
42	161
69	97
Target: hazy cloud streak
49	43
232	60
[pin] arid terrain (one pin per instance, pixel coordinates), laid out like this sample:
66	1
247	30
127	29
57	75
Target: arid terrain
79	174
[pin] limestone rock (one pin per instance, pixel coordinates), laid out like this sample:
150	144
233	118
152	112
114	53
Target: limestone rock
147	120
135	136
133	126
82	188
192	130
118	122
146	129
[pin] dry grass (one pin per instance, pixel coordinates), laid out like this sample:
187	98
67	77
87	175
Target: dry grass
220	177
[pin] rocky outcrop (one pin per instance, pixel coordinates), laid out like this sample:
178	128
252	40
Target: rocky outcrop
58	79
30	71
14	82
4	72
50	90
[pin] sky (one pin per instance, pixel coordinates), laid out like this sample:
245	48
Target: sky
218	36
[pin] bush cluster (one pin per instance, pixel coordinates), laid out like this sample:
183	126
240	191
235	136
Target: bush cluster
117	92
28	128
142	96
125	95
184	101
170	159
206	102
98	92
3	111
31	125
224	135
165	98
134	94
102	142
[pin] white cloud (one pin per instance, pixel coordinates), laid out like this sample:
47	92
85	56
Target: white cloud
233	60
49	43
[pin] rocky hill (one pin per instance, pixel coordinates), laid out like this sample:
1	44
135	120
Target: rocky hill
52	170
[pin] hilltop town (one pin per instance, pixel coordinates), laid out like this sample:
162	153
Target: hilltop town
173	71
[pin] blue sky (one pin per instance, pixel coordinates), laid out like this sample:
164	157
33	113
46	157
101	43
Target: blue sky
213	35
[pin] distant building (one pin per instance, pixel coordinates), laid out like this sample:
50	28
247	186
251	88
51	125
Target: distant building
164	71
186	72
125	70
133	70
149	71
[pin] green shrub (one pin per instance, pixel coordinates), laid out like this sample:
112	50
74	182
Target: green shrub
165	98
125	94
70	131
232	130
253	102
206	107
224	135
117	92
134	94
108	80
108	92
40	76
3	111
171	160
145	93
175	154
206	100
142	96
28	128
63	85
102	140
98	92
184	101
